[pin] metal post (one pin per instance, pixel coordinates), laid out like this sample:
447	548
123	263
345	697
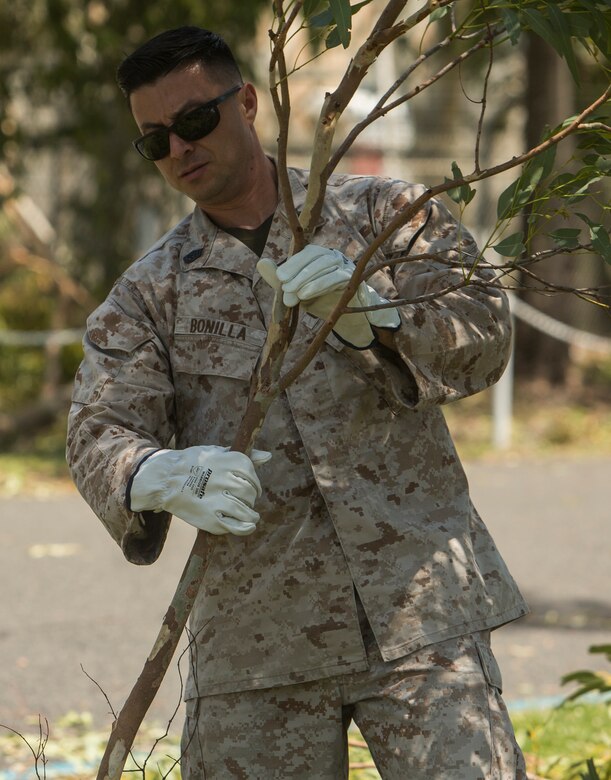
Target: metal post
502	406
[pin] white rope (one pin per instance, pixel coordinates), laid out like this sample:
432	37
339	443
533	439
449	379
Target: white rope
559	330
522	310
40	338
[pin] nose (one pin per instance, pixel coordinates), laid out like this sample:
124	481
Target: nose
178	147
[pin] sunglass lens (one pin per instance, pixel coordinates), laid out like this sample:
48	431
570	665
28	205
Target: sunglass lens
154	146
190	127
197	123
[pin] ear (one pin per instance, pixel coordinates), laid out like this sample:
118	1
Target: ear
249	101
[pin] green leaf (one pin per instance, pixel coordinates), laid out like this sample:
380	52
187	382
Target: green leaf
310	7
577	186
511	246
342	16
327	18
332	40
597	140
579	25
594	160
584	677
354	9
562	183
323	19
599	24
566	237
590	223
464	193
565	45
601	242
513	199
582	188
538	23
439	13
602	649
511	20
545	161
554	28
592	771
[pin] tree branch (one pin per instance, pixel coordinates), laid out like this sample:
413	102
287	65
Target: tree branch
409	211
335	103
480	124
381	109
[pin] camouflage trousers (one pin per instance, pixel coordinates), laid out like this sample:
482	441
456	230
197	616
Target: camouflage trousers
434	715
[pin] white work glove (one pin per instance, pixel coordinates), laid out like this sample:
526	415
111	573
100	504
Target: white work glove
316	277
212	488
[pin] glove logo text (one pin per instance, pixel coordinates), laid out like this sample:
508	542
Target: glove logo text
197	481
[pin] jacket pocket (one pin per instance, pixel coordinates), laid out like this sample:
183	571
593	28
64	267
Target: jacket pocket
492	672
232	351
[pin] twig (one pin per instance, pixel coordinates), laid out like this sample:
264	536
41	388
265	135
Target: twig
595	126
409	211
188	649
282	107
39	753
142	694
482	114
102	691
383	33
381	110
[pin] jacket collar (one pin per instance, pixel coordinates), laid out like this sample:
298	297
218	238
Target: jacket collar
208	246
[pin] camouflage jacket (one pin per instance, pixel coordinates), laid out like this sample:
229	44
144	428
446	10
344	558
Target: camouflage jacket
364	489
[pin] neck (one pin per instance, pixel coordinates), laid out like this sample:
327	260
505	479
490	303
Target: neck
256	202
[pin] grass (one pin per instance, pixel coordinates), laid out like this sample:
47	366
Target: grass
544	424
73	751
556	743
36	467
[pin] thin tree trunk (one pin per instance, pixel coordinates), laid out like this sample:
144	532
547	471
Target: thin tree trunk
549	99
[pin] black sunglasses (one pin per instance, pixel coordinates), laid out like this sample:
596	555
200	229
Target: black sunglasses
191	126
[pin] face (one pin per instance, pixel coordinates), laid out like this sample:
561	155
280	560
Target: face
214	171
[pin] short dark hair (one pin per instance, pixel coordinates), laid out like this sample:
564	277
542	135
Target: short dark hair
173	49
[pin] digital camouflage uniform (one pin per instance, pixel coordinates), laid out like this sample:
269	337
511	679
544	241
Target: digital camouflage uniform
364	490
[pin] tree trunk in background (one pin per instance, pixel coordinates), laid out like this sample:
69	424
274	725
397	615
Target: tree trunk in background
549	98
437	121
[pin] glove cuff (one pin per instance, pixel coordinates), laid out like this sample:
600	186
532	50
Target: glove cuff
362	344
389	319
153	498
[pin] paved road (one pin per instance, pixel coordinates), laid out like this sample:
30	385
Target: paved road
68	599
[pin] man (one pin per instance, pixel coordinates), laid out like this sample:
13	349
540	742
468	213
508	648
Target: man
349	576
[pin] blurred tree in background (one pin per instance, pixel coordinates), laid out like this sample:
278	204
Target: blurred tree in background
65	135
58	91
